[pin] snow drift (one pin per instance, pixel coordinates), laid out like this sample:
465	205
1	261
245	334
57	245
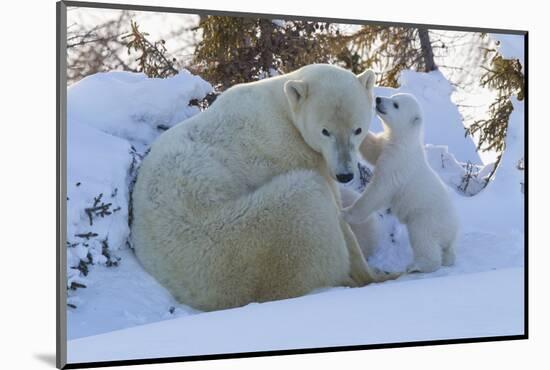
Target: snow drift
112	119
132	106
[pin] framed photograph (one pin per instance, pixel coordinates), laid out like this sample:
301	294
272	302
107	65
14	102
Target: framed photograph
237	184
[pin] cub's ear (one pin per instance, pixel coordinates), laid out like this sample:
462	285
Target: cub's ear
367	78
416	120
296	92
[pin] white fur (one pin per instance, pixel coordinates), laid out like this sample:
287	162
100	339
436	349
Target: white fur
238	204
404	181
368	231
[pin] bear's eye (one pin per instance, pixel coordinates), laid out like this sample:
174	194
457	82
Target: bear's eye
358	131
395	105
325	132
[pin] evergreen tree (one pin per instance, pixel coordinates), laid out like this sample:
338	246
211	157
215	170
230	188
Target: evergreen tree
236	50
152	60
506	77
388	50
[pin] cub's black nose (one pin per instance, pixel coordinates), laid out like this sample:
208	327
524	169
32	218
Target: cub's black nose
344	177
378	100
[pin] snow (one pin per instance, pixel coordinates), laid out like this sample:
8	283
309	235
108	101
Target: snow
279	22
123	313
97	163
453	172
501	205
132	106
112	119
505	192
438	308
121	297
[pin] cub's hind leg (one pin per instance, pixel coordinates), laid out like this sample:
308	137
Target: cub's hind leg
427	251
449	256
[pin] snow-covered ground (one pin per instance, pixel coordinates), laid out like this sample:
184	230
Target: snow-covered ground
112	119
117	311
458	306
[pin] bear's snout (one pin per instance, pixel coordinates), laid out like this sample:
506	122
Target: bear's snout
379	105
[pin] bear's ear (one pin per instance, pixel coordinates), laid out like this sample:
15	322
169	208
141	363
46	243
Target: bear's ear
367	78
416	120
296	92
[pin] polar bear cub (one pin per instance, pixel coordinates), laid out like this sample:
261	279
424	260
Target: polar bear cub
404	181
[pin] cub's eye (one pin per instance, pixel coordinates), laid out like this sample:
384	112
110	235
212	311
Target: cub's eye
395	105
358	131
325	132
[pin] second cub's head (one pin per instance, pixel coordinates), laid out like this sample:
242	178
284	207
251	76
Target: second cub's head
400	112
332	108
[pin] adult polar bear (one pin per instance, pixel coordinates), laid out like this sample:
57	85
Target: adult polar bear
238	204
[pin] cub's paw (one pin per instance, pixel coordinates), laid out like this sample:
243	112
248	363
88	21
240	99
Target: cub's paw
413	268
423	267
351	216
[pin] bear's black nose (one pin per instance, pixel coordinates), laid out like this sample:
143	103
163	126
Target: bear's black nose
344	177
378	100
